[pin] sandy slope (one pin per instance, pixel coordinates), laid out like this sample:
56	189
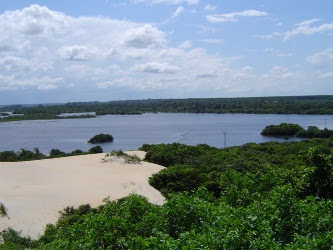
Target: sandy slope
33	192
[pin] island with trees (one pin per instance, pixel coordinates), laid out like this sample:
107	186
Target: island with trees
295	130
101	138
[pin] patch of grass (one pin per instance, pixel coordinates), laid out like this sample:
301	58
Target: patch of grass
119	153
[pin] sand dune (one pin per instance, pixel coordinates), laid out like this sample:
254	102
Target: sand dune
33	192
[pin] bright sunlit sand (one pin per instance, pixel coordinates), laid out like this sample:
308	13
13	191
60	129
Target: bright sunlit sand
33	192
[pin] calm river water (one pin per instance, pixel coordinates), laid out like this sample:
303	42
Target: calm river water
131	131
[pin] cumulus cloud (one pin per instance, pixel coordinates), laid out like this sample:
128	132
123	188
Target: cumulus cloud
113	83
16	82
177	12
207	74
75	53
232	17
185	45
155	67
210	7
13	63
33	20
37	45
322	58
278	73
143	37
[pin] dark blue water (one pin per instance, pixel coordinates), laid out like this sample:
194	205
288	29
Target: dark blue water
131	131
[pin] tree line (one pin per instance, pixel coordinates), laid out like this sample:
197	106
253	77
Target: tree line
248	105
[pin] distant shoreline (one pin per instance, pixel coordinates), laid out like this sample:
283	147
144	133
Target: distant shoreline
302	105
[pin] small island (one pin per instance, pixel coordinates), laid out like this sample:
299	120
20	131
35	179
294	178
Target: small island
295	130
101	138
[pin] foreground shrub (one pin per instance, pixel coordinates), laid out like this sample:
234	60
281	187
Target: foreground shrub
96	150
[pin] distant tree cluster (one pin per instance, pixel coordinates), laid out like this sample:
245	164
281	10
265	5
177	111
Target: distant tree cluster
101	138
290	129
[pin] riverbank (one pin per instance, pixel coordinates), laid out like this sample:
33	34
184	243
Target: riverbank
34	192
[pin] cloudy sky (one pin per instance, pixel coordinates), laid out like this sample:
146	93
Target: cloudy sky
61	51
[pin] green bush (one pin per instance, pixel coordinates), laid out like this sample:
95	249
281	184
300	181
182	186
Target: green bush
96	150
55	153
100	138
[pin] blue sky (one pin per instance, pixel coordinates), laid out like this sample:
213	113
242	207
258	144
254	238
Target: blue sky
62	51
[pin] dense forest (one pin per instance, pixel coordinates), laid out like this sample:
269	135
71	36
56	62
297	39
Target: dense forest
250	105
255	196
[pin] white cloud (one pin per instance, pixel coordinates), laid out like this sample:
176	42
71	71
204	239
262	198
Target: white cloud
278	73
304	28
277	52
113	83
177	12
210	7
231	17
76	53
47	87
185	45
155	67
145	36
269	36
33	20
212	40
326	75
205	75
322	58
12	63
307	22
16	82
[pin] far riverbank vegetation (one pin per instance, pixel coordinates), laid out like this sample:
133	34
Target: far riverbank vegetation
310	105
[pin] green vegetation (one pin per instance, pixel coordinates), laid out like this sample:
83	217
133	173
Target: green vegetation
96	150
256	196
26	155
290	129
119	153
3	210
284	129
248	105
100	138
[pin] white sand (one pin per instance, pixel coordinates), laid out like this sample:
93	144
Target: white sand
33	192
